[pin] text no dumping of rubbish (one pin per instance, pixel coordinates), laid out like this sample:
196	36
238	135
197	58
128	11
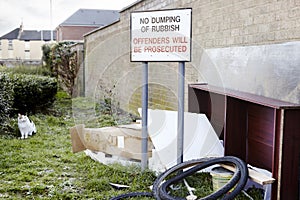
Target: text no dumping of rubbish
161	35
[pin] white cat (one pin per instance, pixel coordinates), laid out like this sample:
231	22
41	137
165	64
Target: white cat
26	126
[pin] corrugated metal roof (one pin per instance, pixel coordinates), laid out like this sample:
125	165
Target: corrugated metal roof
92	17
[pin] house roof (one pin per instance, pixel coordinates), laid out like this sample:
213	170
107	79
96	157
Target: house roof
92	17
20	34
37	35
11	35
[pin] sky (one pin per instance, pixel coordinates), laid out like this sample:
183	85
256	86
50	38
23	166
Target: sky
36	14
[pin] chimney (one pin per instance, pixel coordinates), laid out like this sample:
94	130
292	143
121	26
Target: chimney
20	30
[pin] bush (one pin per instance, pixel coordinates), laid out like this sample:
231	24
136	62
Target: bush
20	93
6	97
33	93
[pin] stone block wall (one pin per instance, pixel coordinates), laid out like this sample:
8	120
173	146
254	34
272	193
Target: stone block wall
227	23
226	38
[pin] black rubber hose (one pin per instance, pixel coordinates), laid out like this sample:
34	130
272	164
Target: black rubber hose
132	194
239	179
161	177
171	170
159	190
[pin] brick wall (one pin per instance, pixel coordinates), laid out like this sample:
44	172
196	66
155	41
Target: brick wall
225	37
73	32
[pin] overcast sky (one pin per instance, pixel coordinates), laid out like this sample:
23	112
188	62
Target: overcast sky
35	14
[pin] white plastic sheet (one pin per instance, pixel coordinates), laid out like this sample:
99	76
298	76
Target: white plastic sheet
200	139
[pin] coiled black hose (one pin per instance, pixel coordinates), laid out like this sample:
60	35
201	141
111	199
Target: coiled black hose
133	194
239	179
159	190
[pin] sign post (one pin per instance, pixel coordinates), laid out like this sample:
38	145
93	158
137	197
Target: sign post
144	159
162	36
180	119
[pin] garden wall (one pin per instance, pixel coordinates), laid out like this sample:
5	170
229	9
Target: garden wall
247	45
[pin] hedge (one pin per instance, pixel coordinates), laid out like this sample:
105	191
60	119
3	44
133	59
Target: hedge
6	97
33	93
27	94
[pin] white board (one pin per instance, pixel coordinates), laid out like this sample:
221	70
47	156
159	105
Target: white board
200	139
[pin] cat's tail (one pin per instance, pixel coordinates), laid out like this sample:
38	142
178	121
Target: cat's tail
33	128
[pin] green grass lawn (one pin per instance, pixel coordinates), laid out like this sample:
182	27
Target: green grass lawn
44	167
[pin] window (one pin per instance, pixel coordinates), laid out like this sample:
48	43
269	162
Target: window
10	45
27	54
27	44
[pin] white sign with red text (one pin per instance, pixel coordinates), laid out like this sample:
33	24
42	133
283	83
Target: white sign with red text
161	35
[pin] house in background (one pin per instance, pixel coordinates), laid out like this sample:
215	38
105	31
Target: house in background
24	46
84	21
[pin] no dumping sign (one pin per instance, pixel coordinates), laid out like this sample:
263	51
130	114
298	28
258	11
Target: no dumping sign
163	35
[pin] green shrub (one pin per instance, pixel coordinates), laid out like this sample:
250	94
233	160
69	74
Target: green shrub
33	93
6	97
6	102
25	94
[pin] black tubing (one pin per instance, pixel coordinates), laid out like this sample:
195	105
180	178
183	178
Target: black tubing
239	179
133	194
171	170
159	190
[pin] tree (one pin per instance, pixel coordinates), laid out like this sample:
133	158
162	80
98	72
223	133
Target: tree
47	61
62	62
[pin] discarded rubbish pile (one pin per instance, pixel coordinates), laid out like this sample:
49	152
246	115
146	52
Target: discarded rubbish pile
122	144
123	141
160	186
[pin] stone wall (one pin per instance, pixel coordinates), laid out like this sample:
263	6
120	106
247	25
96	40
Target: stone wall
78	89
235	44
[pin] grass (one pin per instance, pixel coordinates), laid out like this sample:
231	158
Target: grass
22	69
44	167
